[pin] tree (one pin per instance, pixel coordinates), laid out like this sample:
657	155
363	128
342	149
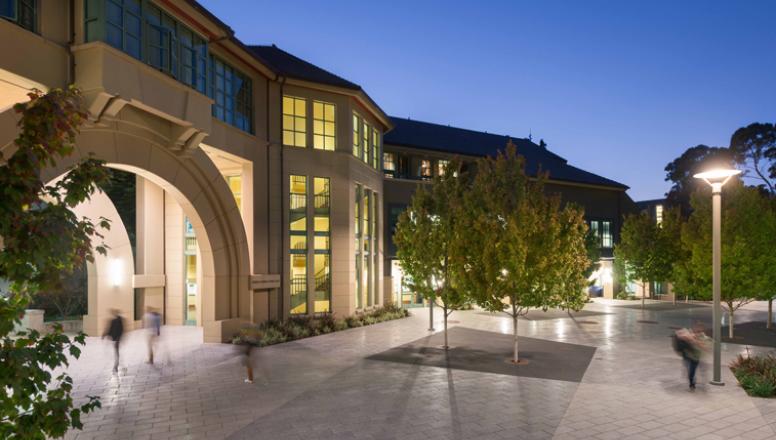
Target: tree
425	236
650	250
42	241
510	242
575	261
637	248
755	148
748	240
691	162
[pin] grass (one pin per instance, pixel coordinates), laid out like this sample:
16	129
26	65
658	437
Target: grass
756	374
276	332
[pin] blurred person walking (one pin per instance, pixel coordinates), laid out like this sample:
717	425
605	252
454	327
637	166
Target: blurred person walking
115	331
153	324
689	344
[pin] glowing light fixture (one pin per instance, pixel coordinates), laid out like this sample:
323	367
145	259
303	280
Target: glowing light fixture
116	270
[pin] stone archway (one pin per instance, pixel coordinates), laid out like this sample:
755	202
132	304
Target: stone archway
137	143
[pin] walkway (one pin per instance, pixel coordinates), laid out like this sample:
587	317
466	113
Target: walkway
326	388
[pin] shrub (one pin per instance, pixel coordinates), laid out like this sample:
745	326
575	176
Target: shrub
756	374
276	332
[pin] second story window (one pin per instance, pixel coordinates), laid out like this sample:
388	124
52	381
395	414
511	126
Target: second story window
294	121
365	136
22	12
356	136
232	95
659	214
376	148
424	171
324	126
602	231
441	166
389	164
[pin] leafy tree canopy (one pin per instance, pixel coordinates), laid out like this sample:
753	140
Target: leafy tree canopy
755	148
694	160
42	240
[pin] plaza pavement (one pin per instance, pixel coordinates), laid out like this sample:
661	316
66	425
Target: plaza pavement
328	387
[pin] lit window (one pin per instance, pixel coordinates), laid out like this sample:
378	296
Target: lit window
365	135
235	185
441	166
322	247
324	126
389	164
298	243
425	169
606	234
356	135
659	214
376	148
294	121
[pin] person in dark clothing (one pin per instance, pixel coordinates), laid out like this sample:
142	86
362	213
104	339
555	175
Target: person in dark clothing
115	331
689	344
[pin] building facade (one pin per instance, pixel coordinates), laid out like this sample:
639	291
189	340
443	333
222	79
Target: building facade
417	151
258	184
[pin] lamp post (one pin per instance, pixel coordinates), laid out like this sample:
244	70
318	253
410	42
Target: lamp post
717	178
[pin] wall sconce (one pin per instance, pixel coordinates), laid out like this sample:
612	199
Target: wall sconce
115	269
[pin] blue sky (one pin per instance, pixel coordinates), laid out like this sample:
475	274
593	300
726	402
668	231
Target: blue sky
619	88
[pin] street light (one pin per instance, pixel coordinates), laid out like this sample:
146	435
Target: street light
717	178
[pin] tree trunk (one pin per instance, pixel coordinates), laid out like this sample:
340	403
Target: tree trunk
643	293
445	312
770	314
514	327
730	324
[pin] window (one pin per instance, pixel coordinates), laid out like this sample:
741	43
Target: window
606	234
424	171
232	95
22	12
441	165
366	255
356	136
602	230
365	135
294	121
146	32
659	214
235	185
298	244
322	247
324	126
358	244
389	164
375	148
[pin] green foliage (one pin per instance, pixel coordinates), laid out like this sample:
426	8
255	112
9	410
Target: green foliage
648	251
756	374
748	239
425	239
276	332
43	241
691	162
755	147
516	243
515	248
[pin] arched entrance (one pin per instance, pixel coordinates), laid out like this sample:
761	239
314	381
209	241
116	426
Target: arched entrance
140	143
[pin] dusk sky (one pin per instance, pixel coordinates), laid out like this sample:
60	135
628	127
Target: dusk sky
619	88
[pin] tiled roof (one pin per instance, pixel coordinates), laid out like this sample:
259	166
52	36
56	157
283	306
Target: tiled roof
443	138
291	66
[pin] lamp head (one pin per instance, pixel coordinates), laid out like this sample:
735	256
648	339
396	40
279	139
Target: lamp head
717	177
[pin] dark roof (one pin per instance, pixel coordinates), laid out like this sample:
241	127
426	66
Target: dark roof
645	204
443	138
291	66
